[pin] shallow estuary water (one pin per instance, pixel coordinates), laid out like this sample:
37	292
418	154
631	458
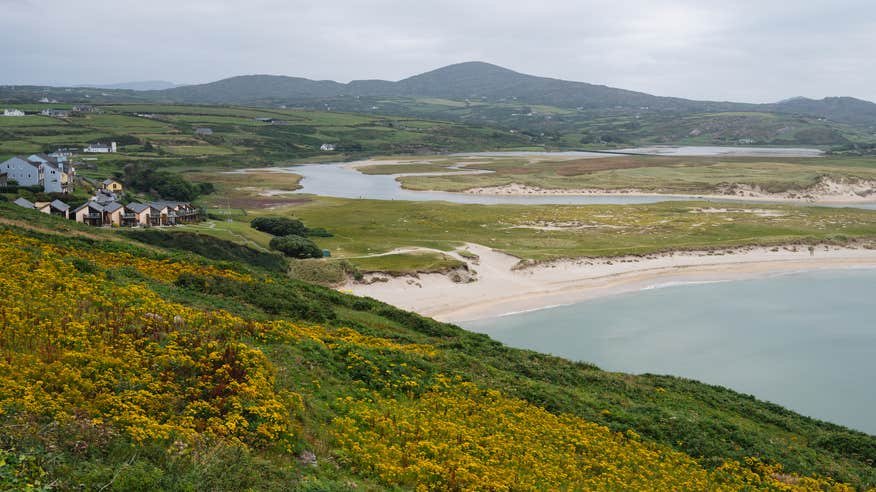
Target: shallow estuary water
806	341
339	180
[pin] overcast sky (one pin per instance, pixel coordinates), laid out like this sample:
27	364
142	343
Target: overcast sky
740	50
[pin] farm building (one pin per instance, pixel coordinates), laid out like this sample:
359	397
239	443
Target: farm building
100	148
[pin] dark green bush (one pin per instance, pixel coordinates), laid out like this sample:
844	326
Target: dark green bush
296	247
279	226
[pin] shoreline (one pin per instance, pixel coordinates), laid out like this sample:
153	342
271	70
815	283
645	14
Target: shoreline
501	290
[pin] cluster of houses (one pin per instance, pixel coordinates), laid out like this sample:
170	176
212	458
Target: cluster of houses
53	172
104	209
53	112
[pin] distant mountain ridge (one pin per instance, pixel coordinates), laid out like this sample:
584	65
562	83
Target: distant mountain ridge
459	81
468	83
488	82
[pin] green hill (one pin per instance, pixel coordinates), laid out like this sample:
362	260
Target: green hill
132	367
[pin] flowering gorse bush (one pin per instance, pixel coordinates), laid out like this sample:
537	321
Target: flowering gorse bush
460	437
75	345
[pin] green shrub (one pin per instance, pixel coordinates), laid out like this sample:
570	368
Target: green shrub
296	247
279	226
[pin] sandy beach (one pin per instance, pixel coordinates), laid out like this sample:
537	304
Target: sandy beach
504	287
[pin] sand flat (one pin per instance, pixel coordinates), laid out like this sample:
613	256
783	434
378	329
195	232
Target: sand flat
503	289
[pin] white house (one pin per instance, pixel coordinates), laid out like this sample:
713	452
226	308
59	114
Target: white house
203	131
99	148
57	173
39	170
84	108
55	113
327	147
52	178
13	112
23	172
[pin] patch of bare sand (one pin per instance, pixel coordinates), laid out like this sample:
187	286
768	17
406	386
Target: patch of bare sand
506	285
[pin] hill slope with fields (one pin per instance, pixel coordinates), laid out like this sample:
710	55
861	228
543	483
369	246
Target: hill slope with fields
552	112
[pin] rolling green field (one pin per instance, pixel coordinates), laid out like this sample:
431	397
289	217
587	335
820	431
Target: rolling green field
559	128
166	134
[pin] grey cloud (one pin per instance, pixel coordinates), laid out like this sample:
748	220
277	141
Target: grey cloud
743	50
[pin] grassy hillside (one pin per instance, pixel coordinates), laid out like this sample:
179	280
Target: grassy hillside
127	368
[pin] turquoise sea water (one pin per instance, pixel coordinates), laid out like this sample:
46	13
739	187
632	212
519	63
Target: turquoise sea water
806	341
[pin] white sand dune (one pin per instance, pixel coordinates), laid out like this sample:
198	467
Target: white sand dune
500	289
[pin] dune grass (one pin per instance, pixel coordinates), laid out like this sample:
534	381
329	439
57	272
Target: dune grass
368	227
681	175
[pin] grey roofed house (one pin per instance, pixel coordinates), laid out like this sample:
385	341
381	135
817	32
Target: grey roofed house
23	202
112	207
103	197
22	171
94	205
137	207
59	205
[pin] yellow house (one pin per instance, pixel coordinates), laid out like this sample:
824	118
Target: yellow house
112	185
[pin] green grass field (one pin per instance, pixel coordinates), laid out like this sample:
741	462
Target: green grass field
238	138
370	227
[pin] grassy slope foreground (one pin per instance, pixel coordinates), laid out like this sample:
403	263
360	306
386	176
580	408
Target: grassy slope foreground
134	368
